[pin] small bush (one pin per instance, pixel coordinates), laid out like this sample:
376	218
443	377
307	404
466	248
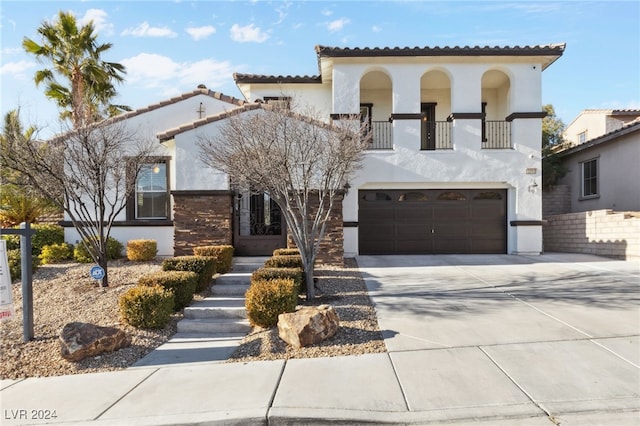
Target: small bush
181	283
204	266
141	250
146	307
15	264
55	253
289	261
223	255
286	252
114	251
45	235
266	299
296	274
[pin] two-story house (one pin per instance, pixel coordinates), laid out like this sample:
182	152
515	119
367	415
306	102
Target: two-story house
454	165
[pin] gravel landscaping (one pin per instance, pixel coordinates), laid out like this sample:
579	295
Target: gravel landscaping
65	293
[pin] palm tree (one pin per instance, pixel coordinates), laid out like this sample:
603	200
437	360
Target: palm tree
19	202
75	56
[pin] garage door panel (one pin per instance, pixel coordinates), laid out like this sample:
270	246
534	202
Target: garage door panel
463	221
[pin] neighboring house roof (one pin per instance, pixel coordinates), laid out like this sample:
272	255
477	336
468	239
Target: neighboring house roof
607	112
632	127
247	106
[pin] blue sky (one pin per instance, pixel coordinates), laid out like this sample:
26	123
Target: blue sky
169	47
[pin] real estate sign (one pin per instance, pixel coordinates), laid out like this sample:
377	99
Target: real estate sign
6	299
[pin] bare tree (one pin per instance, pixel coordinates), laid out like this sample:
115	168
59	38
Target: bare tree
88	172
302	163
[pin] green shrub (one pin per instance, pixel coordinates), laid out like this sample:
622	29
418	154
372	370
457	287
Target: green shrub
204	266
286	252
223	255
141	250
15	264
56	253
296	274
266	299
181	283
146	307
114	251
44	235
289	261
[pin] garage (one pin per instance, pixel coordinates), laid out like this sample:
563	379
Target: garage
432	221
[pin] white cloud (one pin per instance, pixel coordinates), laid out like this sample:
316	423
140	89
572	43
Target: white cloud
11	51
16	69
145	30
326	12
337	25
198	33
153	71
99	18
248	33
376	29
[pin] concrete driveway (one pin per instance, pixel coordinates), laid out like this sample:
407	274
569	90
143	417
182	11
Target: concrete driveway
561	331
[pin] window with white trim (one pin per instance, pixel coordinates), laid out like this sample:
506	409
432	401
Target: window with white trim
589	172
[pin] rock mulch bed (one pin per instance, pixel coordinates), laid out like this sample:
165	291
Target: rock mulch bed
65	293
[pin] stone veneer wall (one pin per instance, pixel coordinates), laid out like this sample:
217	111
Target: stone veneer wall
332	245
556	200
598	232
201	218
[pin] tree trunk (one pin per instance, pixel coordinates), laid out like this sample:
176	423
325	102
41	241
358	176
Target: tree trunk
103	264
311	289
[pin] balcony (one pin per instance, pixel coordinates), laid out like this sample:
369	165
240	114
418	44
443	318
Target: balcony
436	135
382	137
496	135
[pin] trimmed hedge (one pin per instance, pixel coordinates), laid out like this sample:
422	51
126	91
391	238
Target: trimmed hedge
146	307
288	261
204	266
55	253
141	250
286	252
296	274
114	251
266	299
181	283
223	255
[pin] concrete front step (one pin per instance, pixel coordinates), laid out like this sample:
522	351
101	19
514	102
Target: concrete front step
220	290
234	278
185	348
215	325
217	307
248	264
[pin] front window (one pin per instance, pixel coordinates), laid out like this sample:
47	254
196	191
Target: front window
589	178
151	195
279	102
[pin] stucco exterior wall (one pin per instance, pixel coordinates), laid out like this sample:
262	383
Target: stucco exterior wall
618	175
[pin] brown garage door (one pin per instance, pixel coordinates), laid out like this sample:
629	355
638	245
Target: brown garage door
432	221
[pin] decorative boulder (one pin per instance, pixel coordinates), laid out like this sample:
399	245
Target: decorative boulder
308	325
79	340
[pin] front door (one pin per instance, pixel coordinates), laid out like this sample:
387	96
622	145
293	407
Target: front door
428	139
259	227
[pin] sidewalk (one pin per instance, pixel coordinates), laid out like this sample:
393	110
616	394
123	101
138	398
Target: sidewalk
497	348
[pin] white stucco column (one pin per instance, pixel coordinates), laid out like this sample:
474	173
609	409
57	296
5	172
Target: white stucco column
346	89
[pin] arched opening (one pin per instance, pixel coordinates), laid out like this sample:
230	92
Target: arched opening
496	105
376	103
435	107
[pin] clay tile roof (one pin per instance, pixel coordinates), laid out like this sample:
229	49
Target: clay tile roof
261	78
342	52
200	91
247	106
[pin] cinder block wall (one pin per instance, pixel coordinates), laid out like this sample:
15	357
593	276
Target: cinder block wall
556	200
598	232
